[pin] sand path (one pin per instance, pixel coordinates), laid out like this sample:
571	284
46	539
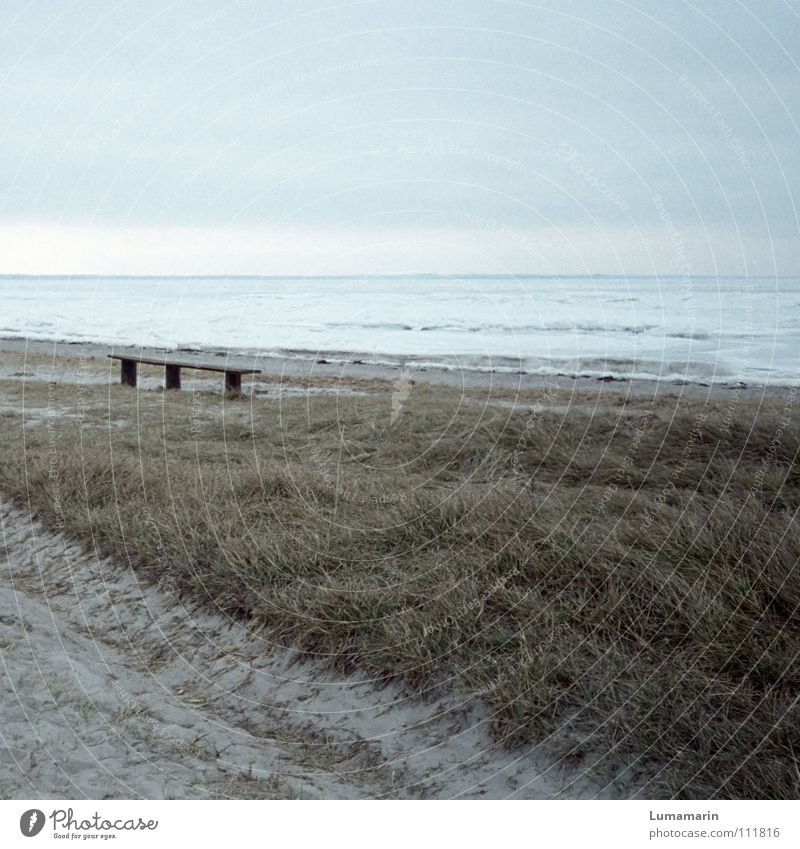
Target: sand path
115	689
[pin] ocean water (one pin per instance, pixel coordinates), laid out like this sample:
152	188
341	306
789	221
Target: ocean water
701	330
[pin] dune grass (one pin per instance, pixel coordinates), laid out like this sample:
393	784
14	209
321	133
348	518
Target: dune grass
619	575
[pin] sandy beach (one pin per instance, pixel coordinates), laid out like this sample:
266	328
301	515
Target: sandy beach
46	359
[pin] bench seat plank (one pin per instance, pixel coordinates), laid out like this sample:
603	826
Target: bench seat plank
182	364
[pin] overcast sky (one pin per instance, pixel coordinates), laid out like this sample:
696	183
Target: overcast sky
564	136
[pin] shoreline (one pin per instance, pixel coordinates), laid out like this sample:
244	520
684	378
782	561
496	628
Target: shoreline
345	366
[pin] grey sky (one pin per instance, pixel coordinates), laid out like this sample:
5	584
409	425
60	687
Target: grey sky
305	137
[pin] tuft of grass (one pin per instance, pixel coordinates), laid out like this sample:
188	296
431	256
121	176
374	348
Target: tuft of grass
621	576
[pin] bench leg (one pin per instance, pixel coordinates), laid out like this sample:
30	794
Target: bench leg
233	384
173	380
128	372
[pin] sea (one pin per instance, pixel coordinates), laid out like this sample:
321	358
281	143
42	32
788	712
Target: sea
700	330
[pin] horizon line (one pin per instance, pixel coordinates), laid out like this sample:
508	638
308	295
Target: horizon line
400	275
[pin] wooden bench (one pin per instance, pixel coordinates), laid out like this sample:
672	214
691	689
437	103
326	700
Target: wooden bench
128	364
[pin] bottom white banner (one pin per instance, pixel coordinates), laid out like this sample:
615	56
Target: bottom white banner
378	823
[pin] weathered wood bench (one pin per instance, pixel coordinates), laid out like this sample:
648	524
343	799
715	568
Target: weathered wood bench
128	367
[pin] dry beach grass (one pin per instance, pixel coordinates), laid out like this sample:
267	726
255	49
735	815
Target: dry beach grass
617	573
